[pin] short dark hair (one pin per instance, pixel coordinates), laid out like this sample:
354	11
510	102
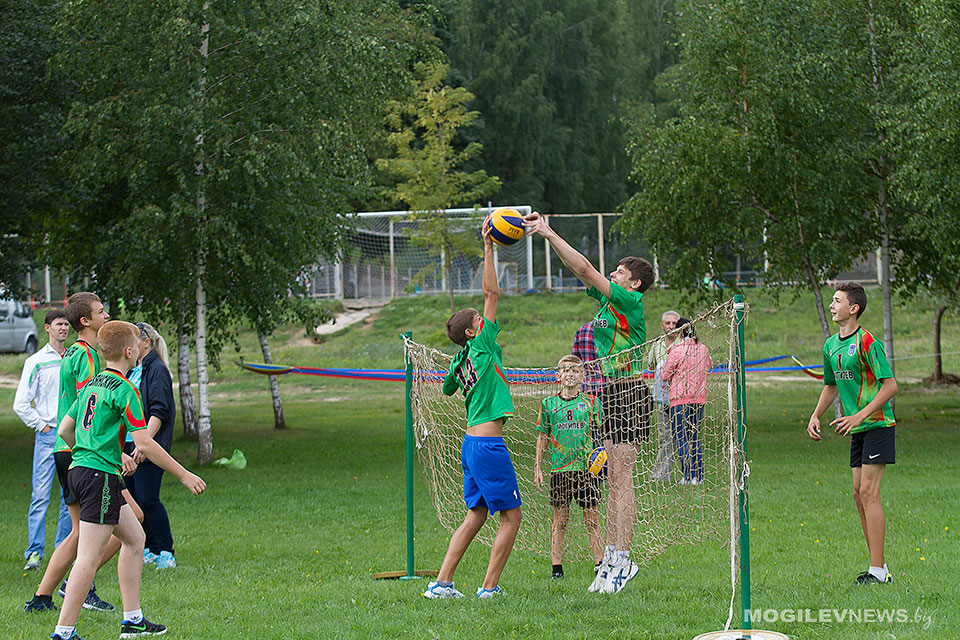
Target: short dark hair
639	269
458	324
685	327
52	315
80	305
855	295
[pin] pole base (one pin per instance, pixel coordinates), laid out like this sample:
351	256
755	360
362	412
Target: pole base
403	575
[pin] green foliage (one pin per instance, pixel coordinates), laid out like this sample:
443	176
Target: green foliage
30	111
428	165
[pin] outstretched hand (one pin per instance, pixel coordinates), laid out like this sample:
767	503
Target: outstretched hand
485	232
535	223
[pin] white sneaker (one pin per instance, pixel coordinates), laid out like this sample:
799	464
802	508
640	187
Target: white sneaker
601	579
435	591
619	576
696	481
684	481
489	593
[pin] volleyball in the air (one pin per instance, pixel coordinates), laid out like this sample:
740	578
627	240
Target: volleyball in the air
597	462
506	226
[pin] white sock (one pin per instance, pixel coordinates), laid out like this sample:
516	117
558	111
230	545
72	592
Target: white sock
64	631
608	554
133	616
880	573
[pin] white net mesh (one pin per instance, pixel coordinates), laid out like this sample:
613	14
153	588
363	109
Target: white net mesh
676	510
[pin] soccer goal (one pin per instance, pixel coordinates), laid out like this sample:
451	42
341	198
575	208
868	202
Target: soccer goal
675	511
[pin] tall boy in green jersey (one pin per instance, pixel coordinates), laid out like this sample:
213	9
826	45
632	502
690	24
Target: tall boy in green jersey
619	329
568	422
81	362
94	427
855	367
489	479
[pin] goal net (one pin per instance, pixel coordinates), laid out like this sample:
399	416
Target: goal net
669	512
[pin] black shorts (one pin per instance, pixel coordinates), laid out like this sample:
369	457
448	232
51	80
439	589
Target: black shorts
62	460
582	486
874	446
626	407
99	493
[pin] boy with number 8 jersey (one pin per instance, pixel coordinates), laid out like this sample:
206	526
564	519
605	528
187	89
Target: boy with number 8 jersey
94	427
489	479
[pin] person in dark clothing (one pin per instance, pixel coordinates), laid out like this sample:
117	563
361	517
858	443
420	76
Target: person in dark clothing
160	411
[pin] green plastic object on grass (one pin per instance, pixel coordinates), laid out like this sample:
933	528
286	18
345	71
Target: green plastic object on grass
237	461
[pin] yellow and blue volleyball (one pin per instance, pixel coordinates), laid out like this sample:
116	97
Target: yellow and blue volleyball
506	227
597	462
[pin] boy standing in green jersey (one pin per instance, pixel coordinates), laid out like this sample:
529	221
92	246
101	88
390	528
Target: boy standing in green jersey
94	427
567	422
81	362
855	367
489	479
619	330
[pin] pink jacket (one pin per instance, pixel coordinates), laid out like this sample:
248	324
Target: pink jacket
688	362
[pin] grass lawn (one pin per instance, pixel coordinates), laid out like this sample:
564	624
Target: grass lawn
285	548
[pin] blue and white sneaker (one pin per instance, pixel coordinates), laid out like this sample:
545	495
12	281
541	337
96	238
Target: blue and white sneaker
620	574
489	593
150	557
166	560
435	591
603	572
73	636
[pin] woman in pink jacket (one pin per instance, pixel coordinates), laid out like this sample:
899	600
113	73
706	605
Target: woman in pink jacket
688	362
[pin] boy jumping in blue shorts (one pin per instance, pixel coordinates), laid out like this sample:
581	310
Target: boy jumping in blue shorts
489	480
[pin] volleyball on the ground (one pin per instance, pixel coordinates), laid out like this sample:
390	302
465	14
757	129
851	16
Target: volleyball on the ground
506	226
597	462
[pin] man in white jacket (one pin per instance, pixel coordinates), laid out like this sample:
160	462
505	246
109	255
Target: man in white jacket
36	404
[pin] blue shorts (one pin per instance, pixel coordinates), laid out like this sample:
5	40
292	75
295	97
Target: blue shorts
489	480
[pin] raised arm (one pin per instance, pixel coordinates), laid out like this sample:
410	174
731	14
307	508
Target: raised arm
489	286
573	259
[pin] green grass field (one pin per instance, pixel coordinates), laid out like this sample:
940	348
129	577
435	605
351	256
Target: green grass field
285	548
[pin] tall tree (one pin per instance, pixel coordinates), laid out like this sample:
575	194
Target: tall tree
230	137
761	160
428	167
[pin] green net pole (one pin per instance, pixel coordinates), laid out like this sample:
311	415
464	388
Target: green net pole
739	307
408	402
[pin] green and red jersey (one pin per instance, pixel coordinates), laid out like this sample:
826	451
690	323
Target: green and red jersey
856	365
568	423
478	371
105	409
618	326
80	364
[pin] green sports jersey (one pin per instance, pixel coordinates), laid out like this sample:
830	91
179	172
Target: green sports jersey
106	408
855	365
618	326
478	372
568	423
80	364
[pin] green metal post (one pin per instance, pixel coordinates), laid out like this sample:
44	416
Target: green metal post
409	402
739	307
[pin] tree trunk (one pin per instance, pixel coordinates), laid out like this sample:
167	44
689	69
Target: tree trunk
204	435
937	349
814	283
188	412
278	421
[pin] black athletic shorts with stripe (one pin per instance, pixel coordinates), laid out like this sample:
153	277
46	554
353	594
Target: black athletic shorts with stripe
99	494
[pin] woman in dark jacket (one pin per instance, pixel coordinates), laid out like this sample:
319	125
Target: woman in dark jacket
159	409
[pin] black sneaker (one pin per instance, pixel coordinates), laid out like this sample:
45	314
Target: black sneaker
39	604
62	591
94	603
557	575
141	629
868	578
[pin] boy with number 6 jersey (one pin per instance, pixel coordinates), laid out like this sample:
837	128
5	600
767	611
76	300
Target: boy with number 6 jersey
489	479
568	422
855	367
94	428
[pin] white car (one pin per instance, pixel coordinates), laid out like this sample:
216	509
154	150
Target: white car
18	332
